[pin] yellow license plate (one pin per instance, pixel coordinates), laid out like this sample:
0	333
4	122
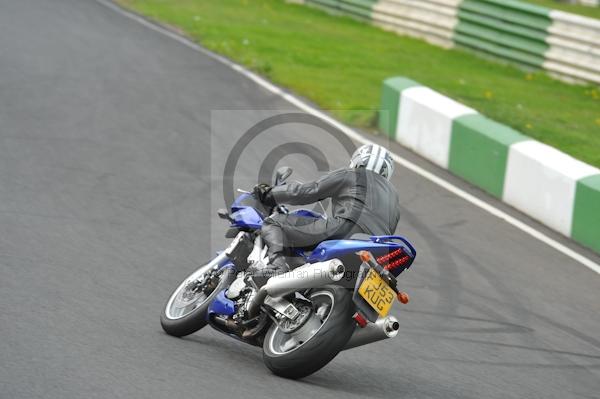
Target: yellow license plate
377	293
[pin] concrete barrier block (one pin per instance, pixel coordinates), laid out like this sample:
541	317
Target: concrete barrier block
586	212
541	181
425	122
479	151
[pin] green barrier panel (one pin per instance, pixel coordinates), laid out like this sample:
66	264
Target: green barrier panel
479	151
586	212
365	4
506	29
327	4
534	34
360	8
390	101
521	6
502	39
516	12
499	51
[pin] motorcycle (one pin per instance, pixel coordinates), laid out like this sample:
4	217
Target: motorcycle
336	297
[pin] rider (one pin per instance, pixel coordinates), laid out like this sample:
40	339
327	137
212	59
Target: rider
363	201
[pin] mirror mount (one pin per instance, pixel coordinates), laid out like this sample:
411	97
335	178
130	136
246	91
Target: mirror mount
223	214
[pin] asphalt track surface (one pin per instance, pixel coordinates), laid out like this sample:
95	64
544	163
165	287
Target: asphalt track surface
110	172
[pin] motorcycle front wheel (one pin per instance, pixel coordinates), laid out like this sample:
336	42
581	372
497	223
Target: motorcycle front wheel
185	310
302	352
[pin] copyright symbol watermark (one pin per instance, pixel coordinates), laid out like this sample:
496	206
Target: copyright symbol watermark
272	157
247	147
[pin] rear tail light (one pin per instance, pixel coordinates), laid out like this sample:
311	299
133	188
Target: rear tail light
394	260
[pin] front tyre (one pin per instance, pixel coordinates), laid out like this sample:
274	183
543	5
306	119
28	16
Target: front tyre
186	309
301	352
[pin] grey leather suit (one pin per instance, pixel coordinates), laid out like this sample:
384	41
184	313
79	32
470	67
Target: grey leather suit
362	202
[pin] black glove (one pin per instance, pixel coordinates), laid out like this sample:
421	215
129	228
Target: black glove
263	193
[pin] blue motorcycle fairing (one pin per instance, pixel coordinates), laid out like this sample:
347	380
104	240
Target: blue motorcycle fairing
337	248
246	217
238	202
383	239
245	214
221	305
307	213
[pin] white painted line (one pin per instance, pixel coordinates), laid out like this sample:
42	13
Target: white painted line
361	139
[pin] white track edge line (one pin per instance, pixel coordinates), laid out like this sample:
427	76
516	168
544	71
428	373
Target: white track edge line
590	264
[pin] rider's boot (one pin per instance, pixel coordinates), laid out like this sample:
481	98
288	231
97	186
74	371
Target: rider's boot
277	265
273	236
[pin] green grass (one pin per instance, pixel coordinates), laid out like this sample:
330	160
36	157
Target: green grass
340	63
593	12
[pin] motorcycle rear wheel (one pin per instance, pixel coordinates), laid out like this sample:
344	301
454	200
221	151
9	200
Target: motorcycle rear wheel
297	356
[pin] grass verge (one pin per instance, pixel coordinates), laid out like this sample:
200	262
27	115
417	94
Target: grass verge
340	63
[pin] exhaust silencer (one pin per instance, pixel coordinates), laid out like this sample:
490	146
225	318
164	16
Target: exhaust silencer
307	276
382	329
311	275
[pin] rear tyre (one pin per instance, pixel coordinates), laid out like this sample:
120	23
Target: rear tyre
302	352
185	311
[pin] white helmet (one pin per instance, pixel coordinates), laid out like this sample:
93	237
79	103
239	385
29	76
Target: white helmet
373	157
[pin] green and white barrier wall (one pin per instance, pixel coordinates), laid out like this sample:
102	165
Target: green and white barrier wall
546	184
566	45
